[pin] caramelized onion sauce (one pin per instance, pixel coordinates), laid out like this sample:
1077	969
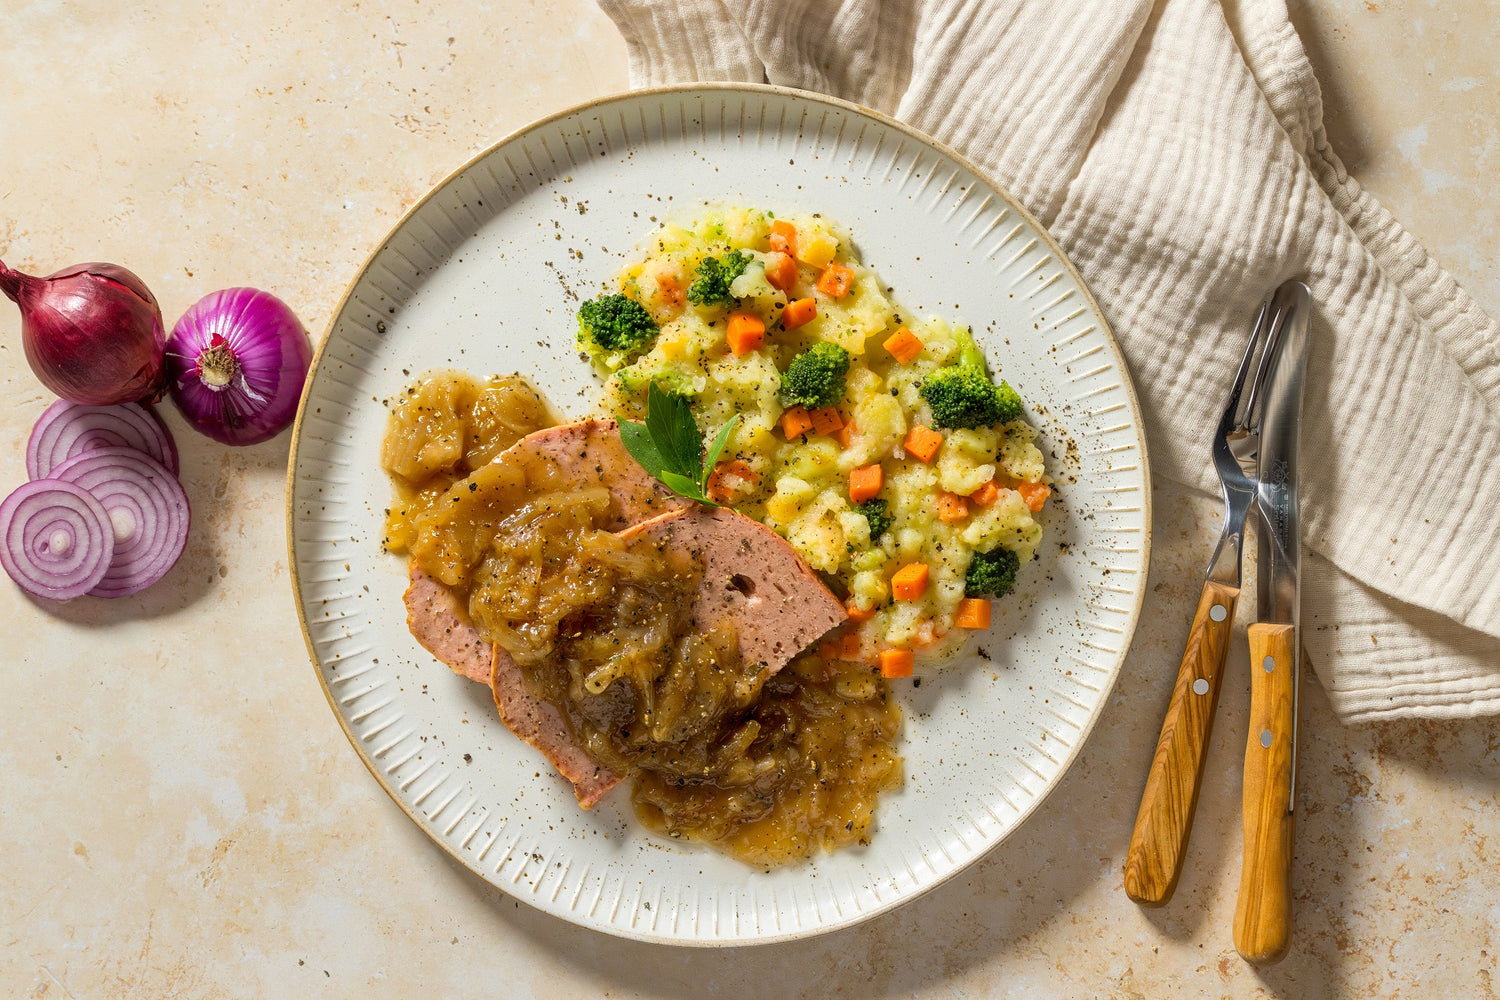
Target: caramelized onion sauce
769	769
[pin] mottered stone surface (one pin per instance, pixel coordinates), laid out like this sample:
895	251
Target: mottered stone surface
184	816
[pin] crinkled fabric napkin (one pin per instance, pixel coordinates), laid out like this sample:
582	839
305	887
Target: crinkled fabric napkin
1176	150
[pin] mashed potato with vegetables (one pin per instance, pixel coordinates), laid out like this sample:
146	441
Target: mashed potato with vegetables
877	444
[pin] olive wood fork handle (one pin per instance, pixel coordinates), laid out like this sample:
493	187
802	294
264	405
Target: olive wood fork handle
1161	828
1263	915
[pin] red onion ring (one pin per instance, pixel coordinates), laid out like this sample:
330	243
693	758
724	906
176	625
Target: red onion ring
67	429
145	509
57	539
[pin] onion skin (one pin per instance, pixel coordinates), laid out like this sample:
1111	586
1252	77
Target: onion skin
93	333
237	361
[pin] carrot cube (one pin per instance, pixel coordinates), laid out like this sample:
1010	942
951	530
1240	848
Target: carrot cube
986	494
798	312
865	483
796	422
973	613
727	477
903	345
672	292
951	508
1035	494
896	662
783	238
922	443
910	582
826	419
844	434
857	614
745	334
836	280
781	270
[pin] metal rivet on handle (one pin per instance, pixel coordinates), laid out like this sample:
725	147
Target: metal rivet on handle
1217	612
1269	663
1200	686
1265	738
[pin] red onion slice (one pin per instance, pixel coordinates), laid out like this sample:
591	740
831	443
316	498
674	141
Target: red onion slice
146	510
67	429
57	539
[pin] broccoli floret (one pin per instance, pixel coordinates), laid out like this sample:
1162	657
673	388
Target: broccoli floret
962	395
815	378
874	512
634	379
712	279
991	573
614	323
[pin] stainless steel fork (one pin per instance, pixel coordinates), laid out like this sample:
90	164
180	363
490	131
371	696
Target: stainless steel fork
1154	862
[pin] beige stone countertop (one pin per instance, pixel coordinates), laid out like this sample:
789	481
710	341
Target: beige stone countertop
184	818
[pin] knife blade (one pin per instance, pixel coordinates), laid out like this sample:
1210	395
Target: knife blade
1263	912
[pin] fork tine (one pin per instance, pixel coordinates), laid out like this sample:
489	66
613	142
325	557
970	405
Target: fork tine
1231	418
1252	404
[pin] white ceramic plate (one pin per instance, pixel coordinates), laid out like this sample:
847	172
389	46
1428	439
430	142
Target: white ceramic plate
485	274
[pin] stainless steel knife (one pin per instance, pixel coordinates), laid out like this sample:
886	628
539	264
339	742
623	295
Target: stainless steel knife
1263	913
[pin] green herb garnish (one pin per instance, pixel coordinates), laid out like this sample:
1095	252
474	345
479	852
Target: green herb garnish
668	444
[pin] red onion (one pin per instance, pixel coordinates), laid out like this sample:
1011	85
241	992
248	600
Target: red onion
238	359
92	332
66	429
147	512
57	539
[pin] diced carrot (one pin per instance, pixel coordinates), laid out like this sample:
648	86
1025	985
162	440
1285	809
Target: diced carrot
896	662
851	644
671	290
857	614
746	333
826	419
865	483
973	613
903	345
727	477
836	280
910	582
781	270
783	238
795	422
922	443
951	508
986	494
798	312
1035	494
844	434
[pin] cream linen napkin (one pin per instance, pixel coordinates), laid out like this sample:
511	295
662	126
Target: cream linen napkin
1176	150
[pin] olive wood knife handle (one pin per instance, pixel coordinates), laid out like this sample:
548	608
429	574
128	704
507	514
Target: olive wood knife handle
1263	914
1161	828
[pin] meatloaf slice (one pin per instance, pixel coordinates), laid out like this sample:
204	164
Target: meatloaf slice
590	451
438	620
587	451
751	575
440	624
542	724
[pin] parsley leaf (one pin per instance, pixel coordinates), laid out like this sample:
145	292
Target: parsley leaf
668	444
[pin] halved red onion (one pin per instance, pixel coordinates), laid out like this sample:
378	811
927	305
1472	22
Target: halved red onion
145	507
57	539
66	429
